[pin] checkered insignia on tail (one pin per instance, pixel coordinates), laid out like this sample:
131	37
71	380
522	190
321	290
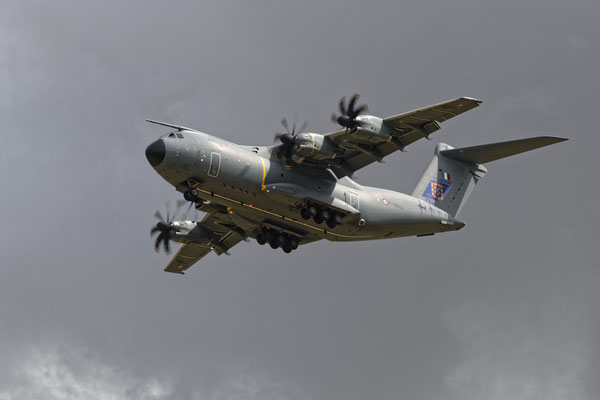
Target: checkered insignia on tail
436	190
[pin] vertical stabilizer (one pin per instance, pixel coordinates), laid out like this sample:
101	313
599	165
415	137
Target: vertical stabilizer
447	183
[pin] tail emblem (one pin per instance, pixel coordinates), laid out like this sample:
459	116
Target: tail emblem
436	190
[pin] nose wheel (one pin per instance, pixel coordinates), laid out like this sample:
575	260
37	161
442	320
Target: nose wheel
192	195
322	214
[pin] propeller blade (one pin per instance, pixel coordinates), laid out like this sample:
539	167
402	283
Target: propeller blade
352	102
181	202
167	205
166	243
154	230
158	215
184	216
294	129
342	108
285	125
277	136
178	205
303	126
157	242
362	108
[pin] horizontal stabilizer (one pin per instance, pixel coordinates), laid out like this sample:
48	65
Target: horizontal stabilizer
495	151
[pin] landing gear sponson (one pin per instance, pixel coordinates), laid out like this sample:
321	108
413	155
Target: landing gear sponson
321	214
278	239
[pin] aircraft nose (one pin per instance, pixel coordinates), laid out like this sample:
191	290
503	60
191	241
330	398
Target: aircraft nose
155	152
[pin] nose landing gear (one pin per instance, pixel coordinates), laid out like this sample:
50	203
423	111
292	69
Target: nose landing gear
277	239
192	195
320	215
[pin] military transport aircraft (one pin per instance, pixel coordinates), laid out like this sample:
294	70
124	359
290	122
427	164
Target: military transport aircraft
301	190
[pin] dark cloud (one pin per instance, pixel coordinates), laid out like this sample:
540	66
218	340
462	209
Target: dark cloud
503	308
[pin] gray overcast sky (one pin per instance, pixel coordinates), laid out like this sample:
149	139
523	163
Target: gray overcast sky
504	309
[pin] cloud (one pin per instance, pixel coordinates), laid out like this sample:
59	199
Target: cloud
248	387
67	372
64	372
518	355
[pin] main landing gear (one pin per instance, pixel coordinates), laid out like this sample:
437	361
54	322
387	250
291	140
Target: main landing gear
320	214
277	239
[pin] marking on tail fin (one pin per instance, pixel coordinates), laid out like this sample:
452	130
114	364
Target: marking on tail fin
436	190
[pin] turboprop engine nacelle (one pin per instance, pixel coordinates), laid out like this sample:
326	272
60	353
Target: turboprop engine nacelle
193	232
315	146
373	129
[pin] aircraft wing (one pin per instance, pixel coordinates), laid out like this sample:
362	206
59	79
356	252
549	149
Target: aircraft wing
187	256
223	236
414	125
405	129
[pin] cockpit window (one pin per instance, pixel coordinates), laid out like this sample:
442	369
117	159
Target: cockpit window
171	135
179	135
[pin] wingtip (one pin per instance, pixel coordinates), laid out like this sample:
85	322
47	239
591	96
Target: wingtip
554	139
472	99
174	272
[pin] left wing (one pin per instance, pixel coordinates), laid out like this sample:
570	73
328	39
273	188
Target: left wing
223	235
364	146
187	256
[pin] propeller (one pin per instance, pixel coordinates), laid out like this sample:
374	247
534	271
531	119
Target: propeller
347	119
181	203
290	146
165	228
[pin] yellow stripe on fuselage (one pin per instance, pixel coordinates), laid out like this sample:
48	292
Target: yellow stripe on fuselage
262	185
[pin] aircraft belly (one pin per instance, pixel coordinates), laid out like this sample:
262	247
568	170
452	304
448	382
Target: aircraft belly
390	214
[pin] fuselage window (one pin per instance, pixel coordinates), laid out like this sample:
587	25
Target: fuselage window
215	164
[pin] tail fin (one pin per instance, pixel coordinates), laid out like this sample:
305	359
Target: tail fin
453	173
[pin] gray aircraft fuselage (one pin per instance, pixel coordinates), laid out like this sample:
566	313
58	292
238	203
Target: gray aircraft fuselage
254	186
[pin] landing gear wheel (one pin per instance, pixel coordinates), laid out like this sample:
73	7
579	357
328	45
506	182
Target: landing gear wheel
287	249
338	219
194	193
261	239
293	244
187	196
324	214
318	219
305	214
331	223
274	243
282	240
269	235
312	210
